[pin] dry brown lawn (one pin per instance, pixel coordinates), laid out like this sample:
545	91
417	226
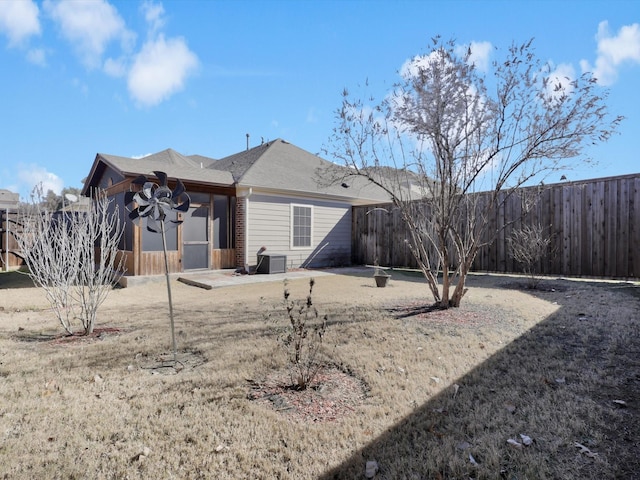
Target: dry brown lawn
427	395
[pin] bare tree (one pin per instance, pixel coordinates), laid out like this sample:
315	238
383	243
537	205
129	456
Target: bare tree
73	257
529	244
446	132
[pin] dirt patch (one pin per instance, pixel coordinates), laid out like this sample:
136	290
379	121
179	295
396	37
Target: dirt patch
165	364
77	338
464	316
333	395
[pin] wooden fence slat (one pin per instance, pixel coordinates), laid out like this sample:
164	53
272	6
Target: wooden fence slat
622	211
611	194
557	223
586	233
546	215
576	221
634	230
567	219
598	235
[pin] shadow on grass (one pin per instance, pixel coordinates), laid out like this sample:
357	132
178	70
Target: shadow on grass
404	274
632	289
15	279
556	384
34	337
412	311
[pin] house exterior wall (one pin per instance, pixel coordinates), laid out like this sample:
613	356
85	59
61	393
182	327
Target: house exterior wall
110	177
268	224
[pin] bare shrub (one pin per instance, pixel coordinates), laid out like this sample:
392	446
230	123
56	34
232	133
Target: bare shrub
528	245
302	337
72	256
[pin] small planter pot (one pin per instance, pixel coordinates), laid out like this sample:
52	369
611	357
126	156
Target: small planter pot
382	280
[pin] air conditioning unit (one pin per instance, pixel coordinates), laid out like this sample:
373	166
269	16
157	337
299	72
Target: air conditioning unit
271	263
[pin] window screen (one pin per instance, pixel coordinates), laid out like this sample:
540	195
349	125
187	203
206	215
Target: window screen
152	242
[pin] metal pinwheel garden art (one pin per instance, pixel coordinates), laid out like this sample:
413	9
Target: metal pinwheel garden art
154	201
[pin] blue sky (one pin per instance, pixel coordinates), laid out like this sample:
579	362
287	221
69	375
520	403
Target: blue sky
131	78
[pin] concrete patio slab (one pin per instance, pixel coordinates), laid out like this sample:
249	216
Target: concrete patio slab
228	278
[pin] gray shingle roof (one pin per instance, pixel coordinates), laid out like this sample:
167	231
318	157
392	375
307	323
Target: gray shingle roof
239	163
174	164
280	165
201	160
276	165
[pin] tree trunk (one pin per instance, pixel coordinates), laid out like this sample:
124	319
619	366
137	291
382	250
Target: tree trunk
458	293
460	289
444	300
90	326
432	281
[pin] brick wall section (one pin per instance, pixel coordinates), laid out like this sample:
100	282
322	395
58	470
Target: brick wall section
239	226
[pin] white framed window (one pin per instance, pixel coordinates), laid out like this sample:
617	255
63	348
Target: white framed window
301	226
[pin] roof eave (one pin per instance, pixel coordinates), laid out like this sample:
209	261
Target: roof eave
244	188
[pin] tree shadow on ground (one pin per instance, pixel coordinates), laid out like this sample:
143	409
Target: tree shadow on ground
404	274
559	383
632	289
15	279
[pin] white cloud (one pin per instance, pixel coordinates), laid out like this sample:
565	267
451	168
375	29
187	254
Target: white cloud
412	66
81	86
137	157
480	54
162	66
31	175
436	61
160	69
19	20
115	67
153	14
37	56
613	51
89	25
560	80
154	71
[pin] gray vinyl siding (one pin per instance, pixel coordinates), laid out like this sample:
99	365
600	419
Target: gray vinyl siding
269	221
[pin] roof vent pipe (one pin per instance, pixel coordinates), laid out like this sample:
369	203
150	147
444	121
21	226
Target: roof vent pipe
247	141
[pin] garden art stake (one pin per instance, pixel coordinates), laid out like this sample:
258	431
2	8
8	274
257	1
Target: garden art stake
153	202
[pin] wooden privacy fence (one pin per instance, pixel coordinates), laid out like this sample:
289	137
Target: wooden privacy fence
10	255
594	227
